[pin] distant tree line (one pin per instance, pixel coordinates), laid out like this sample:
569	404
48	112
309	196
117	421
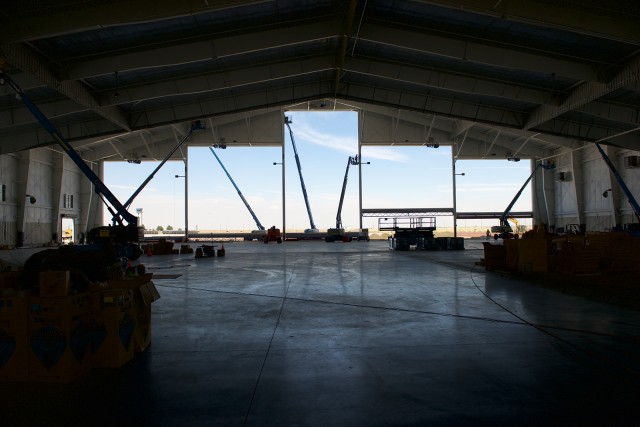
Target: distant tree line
169	228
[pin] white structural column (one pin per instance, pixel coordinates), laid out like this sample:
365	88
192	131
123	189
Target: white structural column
186	193
565	185
616	193
453	178
359	180
578	184
90	215
543	195
22	186
284	207
57	161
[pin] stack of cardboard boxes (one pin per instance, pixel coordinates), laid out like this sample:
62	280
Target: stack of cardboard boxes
614	252
162	247
59	336
539	252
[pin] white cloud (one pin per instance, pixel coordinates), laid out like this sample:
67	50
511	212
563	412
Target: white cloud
384	153
345	144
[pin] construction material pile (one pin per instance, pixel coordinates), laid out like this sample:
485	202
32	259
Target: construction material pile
58	320
162	247
541	252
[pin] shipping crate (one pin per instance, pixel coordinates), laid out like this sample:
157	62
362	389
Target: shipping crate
59	337
54	283
512	252
143	297
14	341
112	328
130	282
144	294
495	256
533	255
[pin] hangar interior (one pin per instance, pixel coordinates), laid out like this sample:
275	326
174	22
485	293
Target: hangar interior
514	80
509	80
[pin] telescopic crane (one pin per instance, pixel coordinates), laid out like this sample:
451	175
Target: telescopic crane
253	215
625	189
338	234
313	229
125	225
504	230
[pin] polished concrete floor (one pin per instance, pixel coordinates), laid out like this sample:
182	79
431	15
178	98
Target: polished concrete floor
352	334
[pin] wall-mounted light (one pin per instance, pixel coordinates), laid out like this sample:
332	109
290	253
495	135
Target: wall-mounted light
606	193
32	199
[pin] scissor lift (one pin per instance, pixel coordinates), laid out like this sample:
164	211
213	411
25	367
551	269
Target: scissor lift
410	232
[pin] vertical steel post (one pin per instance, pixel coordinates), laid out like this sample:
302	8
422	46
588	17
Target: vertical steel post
186	194
453	175
284	208
359	177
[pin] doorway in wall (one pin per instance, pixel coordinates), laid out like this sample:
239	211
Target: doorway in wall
68	231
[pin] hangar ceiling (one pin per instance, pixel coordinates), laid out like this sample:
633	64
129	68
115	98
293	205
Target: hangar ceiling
123	79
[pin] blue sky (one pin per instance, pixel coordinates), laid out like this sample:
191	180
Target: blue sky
398	177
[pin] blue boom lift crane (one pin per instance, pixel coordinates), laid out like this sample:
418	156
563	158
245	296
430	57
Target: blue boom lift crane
125	225
504	230
313	229
337	234
625	189
260	232
124	231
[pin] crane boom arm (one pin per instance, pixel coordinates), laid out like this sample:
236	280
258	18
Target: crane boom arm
503	219
121	214
287	121
625	189
351	161
253	215
194	125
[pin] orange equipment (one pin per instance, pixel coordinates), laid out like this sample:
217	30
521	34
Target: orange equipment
273	235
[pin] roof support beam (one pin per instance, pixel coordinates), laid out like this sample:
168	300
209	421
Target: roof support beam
512	58
211	48
447	81
220	80
62	19
347	29
459	127
586	19
585	93
20	56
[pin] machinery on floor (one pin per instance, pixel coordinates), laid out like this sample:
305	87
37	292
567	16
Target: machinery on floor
124	231
338	234
273	235
313	228
416	233
260	233
504	230
410	232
